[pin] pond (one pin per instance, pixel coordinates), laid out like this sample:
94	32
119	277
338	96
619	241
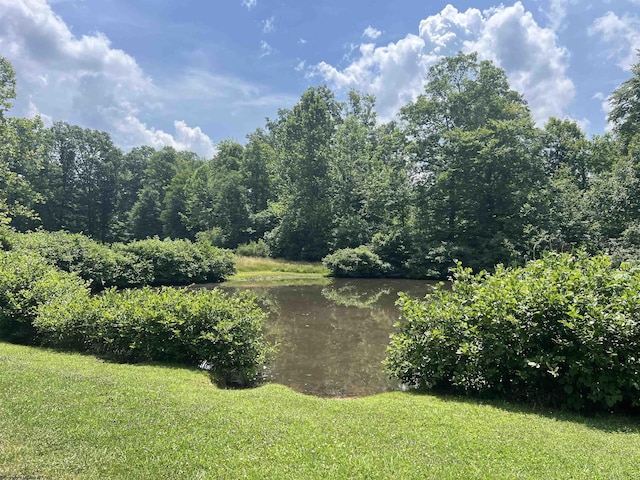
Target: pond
332	338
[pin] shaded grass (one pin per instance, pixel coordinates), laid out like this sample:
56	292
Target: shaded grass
258	270
72	416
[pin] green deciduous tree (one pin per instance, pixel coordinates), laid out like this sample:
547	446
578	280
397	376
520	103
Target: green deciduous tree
475	163
625	107
304	138
216	197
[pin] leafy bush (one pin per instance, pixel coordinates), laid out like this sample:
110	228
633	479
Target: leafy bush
563	330
26	283
101	266
180	262
393	247
145	262
171	325
357	262
253	249
214	236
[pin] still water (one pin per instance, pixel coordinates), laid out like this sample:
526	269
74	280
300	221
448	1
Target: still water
332	338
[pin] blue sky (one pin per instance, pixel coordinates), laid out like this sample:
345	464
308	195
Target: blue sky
190	73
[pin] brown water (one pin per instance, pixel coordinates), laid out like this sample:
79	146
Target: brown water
332	338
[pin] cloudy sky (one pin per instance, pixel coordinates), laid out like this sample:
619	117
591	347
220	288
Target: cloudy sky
190	73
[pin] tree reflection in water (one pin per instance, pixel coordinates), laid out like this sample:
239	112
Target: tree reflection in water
332	339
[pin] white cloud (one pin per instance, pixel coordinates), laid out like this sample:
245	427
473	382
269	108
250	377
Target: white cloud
32	112
267	25
622	34
302	41
535	64
605	106
509	36
300	66
584	123
371	33
249	3
193	138
265	49
557	13
87	81
185	137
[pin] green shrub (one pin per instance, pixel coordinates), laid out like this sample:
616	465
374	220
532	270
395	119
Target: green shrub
181	262
101	266
392	247
563	330
146	262
357	262
26	283
219	263
214	236
169	325
253	249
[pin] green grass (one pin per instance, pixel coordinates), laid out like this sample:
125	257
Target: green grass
73	416
257	270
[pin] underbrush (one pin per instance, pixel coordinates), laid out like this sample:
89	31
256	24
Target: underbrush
181	262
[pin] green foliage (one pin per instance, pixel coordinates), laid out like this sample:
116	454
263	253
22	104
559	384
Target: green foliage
96	263
144	262
464	175
41	304
304	135
82	173
27	281
475	162
625	107
178	262
563	330
7	85
357	262
216	198
253	249
169	325
393	247
144	217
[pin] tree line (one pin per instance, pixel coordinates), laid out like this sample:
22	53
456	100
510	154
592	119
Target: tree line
462	173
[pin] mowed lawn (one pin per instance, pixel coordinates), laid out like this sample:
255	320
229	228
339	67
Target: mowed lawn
74	416
266	271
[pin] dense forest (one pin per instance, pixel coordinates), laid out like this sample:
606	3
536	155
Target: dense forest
462	173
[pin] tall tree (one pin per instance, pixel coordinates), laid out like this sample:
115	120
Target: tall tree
216	198
351	164
7	86
625	107
475	163
84	175
304	140
145	214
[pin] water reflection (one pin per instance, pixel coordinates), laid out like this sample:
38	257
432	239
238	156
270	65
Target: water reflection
332	338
